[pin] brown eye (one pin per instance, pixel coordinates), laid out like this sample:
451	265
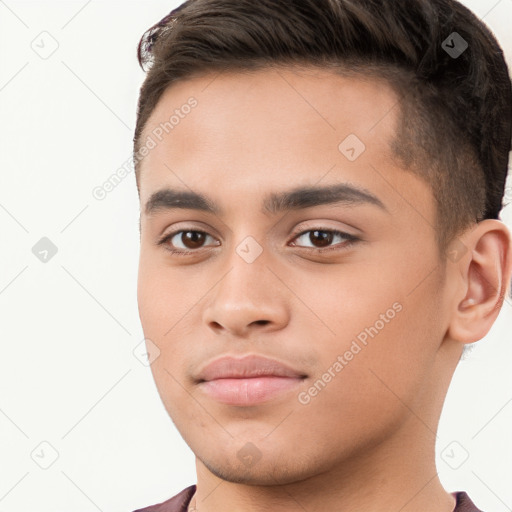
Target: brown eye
184	241
192	239
320	238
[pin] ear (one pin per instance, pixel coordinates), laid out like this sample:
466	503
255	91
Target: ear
484	272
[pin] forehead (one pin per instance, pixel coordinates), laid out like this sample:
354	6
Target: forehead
324	101
272	128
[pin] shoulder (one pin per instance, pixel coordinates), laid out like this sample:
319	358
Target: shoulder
178	503
464	503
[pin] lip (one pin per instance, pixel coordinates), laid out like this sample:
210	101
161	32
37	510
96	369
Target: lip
249	380
230	367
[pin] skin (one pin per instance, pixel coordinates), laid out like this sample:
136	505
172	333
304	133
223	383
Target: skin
366	441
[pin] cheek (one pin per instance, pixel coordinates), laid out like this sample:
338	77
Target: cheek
344	300
163	299
383	319
168	311
161	306
365	389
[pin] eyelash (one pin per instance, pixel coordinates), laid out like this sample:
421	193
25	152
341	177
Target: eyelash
349	240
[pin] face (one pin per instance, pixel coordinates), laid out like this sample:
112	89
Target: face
318	252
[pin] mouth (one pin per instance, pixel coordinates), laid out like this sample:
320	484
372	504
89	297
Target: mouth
248	381
252	391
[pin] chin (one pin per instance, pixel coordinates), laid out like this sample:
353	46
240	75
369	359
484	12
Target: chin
262	473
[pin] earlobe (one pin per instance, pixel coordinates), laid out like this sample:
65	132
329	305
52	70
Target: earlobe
486	272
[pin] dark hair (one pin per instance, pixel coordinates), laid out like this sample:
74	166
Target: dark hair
456	108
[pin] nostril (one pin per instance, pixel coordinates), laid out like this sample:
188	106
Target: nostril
261	322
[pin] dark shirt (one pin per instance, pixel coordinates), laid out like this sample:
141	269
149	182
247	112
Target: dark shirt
180	502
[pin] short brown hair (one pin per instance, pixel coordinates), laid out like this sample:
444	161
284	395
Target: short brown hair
456	110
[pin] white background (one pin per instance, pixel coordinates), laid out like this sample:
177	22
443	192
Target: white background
68	376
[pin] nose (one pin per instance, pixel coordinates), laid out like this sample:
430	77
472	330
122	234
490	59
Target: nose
247	298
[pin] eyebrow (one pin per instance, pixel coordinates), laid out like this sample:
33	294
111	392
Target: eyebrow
295	199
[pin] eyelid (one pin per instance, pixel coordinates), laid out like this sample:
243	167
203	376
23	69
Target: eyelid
319	227
167	237
350	239
207	230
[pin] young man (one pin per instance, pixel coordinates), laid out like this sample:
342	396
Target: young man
320	183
